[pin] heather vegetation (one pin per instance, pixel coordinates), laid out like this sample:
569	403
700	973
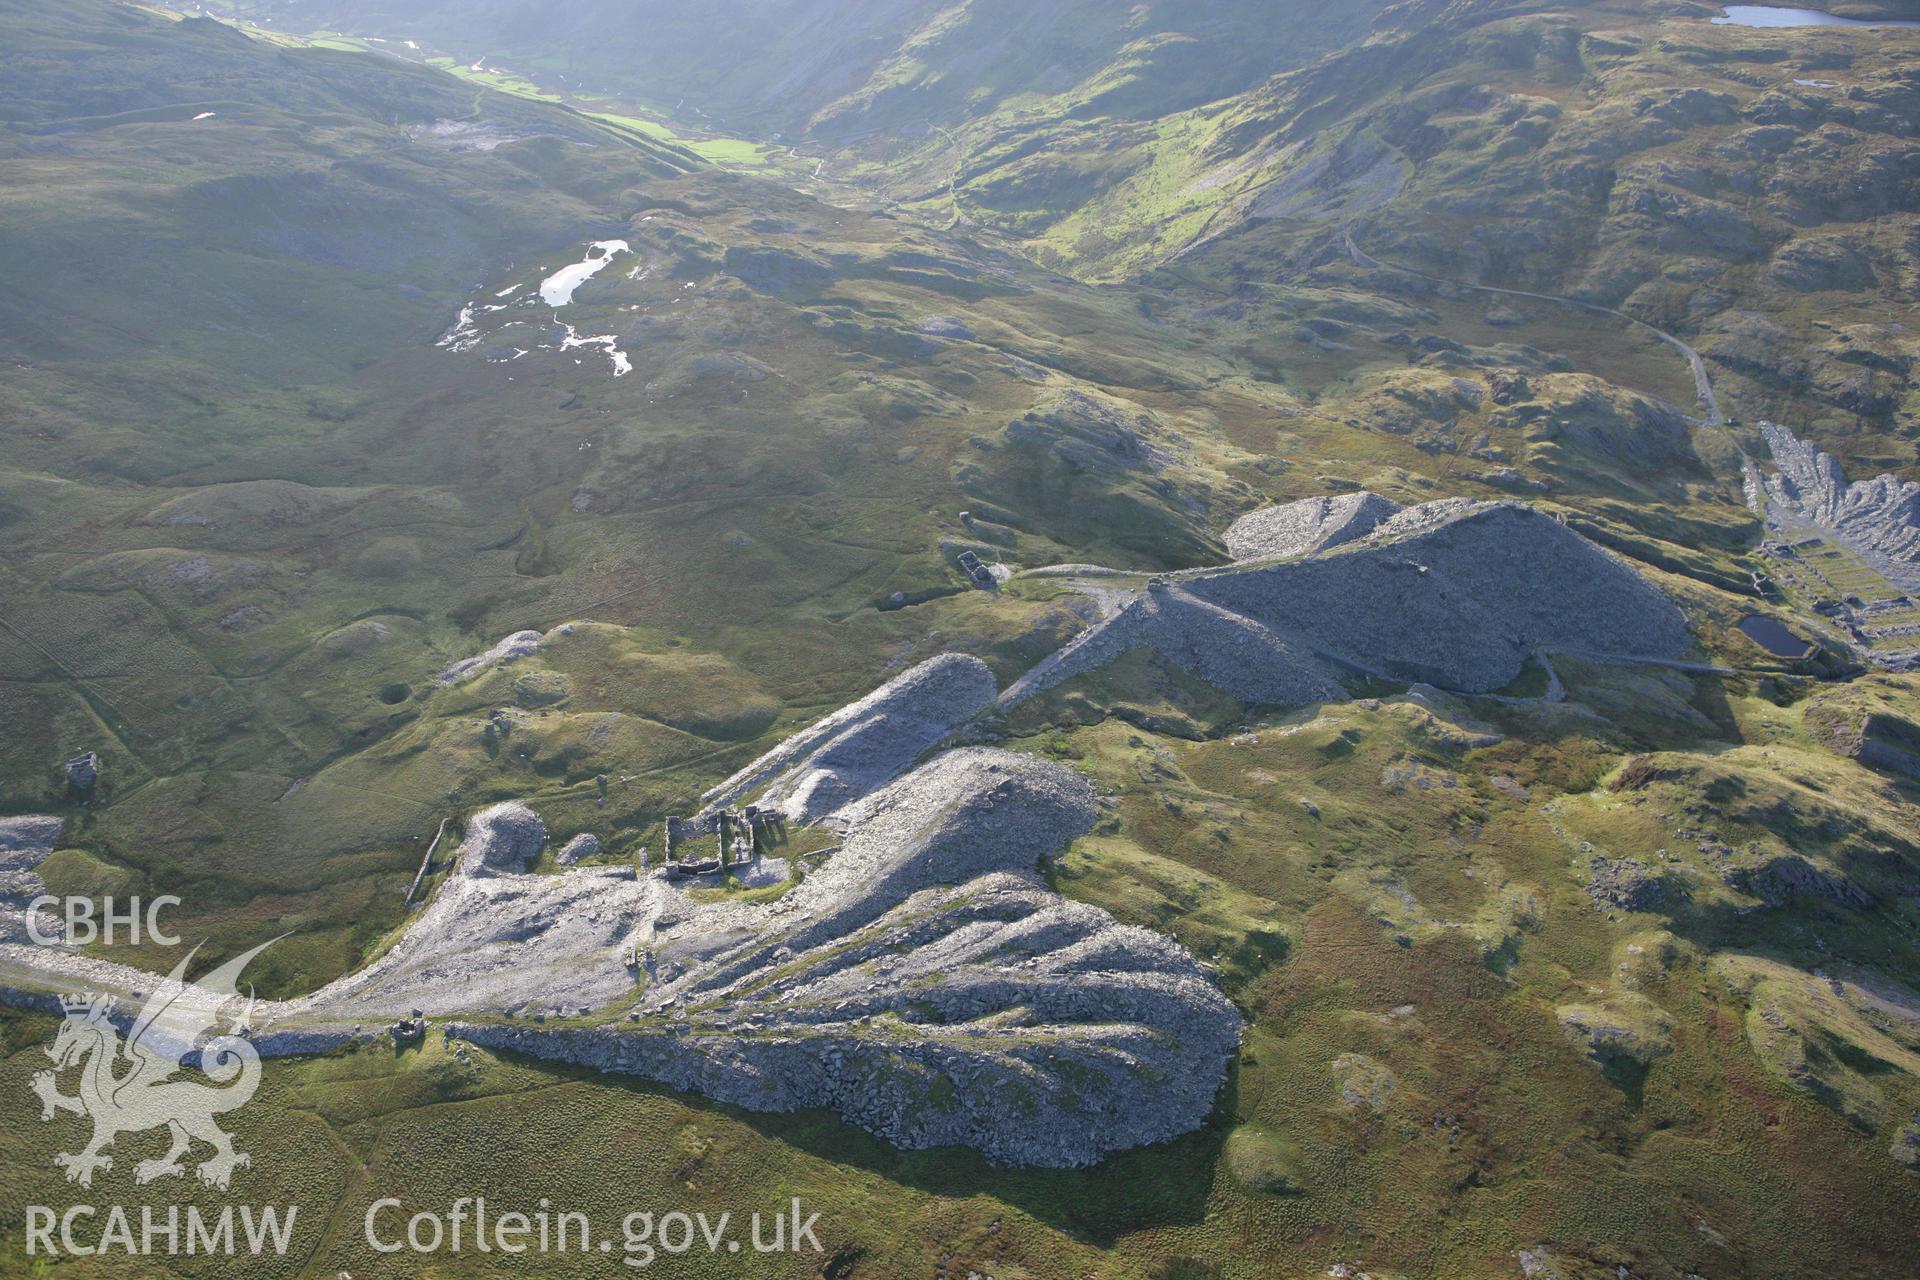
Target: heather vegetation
1569	927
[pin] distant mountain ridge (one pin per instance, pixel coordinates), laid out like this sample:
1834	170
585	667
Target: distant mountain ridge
834	68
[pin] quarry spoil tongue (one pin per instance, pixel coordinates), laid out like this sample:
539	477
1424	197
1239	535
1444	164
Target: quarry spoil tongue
909	985
1456	593
932	922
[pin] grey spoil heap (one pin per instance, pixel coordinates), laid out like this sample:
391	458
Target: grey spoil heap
1880	517
1454	593
1309	525
926	978
914	984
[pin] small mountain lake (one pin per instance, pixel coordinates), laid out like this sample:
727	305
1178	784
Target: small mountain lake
1773	637
1766	15
557	289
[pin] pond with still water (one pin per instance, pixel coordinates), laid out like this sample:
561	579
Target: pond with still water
1773	637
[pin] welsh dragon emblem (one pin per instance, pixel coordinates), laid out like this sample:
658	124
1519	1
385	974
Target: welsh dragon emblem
135	1085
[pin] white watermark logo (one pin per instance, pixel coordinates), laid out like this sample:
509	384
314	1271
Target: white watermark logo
150	1232
76	921
469	1223
137	1084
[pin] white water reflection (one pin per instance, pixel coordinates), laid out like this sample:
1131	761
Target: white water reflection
557	289
607	342
471	329
1763	15
464	335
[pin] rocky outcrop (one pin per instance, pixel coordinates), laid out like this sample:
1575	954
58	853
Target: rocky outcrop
1623	1027
1364	1082
1778	881
1889	743
579	849
1089	432
504	838
1848	1042
1312	524
1087	465
521	644
1820	263
1628	885
945	327
1905	1148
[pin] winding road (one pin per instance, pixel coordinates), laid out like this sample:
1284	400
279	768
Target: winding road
1703	385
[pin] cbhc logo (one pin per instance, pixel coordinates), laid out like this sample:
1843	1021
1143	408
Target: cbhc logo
84	925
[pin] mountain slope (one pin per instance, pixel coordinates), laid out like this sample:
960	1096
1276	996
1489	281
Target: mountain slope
378	445
1630	154
833	70
199	207
292	426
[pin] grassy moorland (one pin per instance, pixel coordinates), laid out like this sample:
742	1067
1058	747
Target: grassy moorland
1620	979
1412	951
242	554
